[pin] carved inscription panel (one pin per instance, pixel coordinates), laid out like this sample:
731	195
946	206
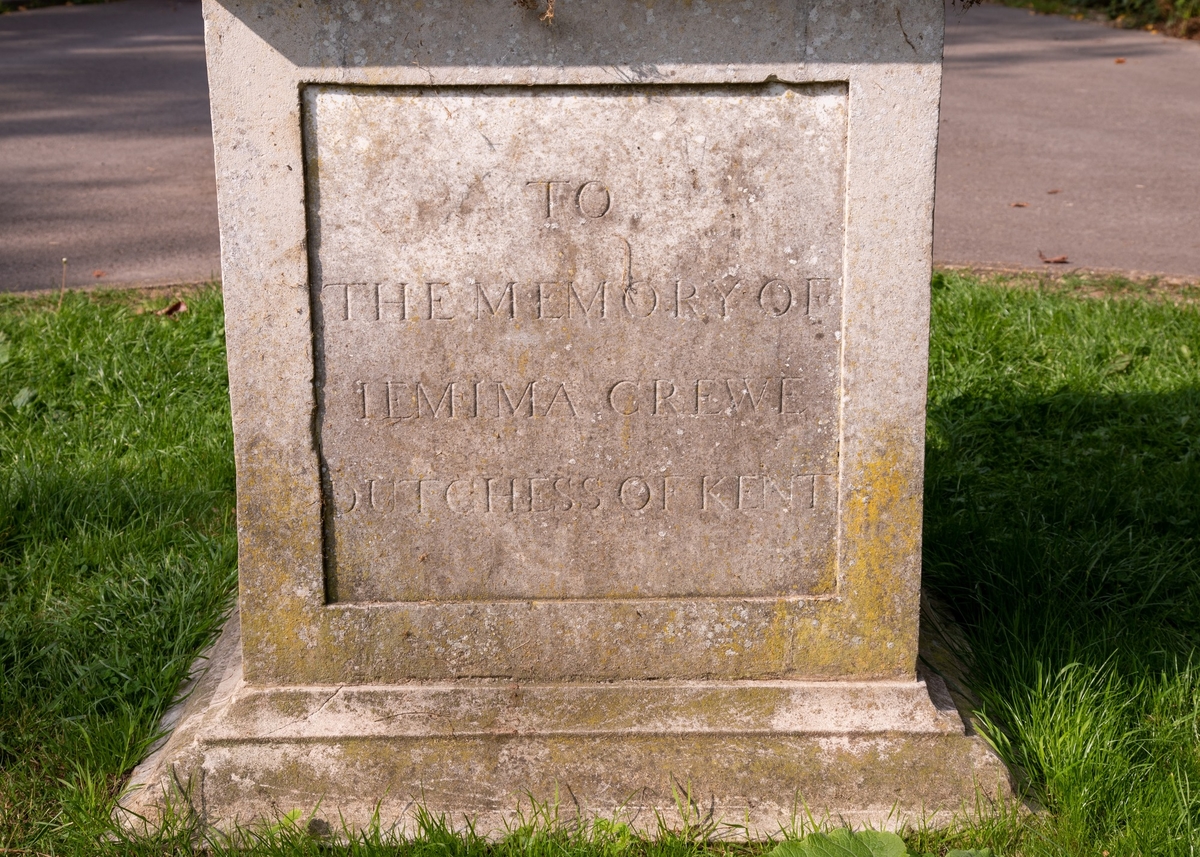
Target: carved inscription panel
577	343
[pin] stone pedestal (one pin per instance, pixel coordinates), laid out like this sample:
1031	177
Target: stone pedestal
578	380
759	753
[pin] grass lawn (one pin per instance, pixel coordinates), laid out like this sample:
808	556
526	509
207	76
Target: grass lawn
117	542
1062	514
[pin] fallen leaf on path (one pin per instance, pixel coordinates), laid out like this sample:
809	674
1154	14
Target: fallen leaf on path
1056	190
1053	260
173	310
98	274
1018	205
1119	60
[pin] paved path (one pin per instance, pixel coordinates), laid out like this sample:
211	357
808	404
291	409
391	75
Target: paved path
105	154
1032	104
105	146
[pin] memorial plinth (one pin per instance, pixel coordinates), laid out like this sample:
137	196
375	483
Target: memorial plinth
578	382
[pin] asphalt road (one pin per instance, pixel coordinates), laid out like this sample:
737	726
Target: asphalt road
106	146
1033	104
106	156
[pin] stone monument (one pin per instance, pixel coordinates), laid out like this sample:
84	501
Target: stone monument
578	380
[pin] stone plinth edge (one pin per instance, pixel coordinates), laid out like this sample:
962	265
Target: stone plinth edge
758	754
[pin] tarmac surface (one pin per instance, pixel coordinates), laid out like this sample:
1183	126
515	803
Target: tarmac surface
106	153
1035	103
106	146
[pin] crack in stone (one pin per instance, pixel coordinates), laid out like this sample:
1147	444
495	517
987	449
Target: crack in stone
308	717
904	32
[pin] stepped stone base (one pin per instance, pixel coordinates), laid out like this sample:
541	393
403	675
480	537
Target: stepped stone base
758	754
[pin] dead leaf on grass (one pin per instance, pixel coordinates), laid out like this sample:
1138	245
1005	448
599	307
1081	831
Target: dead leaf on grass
173	310
24	396
1119	365
1053	260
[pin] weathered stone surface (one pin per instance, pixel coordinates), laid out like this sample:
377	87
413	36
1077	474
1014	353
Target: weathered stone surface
578	343
309	615
578	379
868	753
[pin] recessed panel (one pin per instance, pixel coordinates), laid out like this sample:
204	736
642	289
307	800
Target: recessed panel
577	343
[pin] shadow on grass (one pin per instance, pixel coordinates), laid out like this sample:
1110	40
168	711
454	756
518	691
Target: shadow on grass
1067	524
39	504
110	582
1062	532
